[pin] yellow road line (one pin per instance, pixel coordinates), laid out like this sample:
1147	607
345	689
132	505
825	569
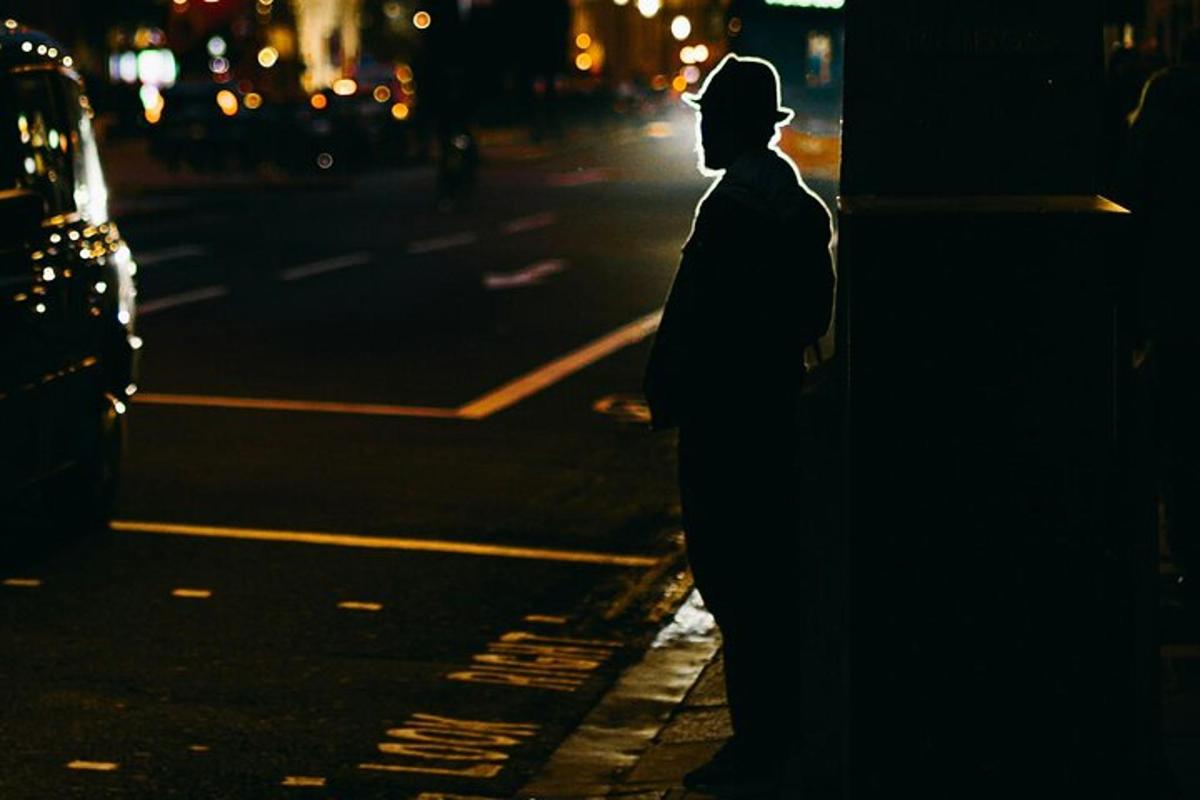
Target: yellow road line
517	390
356	605
385	543
94	766
482	407
318	406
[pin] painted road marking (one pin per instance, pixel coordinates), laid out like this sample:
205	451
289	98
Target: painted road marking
442	243
386	543
192	594
624	407
198	748
546	619
530	661
325	265
515	391
530	223
436	745
533	274
316	406
580	177
482	407
94	766
355	605
658	130
181	299
155	257
23	583
302	780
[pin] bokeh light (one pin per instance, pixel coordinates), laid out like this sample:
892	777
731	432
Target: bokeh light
681	27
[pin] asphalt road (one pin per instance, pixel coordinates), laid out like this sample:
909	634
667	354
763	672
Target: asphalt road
375	538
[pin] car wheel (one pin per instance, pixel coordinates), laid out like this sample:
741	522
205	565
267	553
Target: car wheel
83	499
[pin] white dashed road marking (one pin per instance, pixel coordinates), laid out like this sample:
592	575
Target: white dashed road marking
155	257
530	223
529	276
181	299
442	243
324	266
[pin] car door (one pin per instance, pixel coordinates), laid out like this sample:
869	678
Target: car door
51	406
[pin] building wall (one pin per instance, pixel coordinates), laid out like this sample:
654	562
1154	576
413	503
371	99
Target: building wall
1167	21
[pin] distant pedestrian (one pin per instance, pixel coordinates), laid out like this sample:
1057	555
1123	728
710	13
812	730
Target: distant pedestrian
1164	191
753	291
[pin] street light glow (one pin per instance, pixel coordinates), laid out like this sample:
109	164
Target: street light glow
583	41
649	8
700	54
267	57
345	87
681	27
228	102
583	61
422	20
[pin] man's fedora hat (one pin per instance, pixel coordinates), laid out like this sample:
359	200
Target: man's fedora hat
741	86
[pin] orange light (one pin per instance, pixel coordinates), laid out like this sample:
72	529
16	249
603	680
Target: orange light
254	100
319	101
422	20
400	111
680	83
583	61
404	73
382	94
583	41
228	102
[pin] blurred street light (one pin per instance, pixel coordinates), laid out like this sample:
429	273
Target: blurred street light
681	27
267	57
422	20
228	102
649	8
583	41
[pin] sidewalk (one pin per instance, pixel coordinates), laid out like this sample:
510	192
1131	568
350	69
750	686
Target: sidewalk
666	716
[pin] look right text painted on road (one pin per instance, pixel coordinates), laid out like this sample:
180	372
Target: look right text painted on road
531	661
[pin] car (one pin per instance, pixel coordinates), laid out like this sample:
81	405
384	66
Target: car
67	296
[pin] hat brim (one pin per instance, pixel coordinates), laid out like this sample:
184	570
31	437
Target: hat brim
693	100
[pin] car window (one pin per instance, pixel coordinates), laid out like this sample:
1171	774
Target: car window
90	190
43	136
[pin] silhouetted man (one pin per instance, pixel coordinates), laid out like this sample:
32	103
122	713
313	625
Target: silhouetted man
1165	194
753	291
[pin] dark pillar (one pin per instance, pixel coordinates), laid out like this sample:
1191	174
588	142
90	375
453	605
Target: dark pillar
993	566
